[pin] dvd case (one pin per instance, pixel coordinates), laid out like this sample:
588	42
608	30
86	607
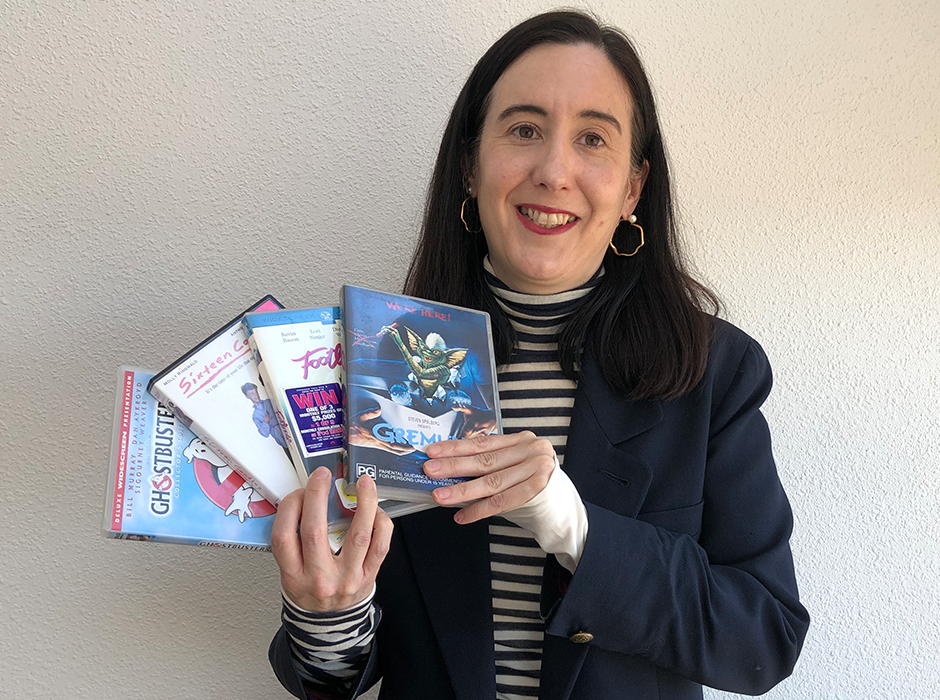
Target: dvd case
166	485
299	357
215	391
417	372
300	361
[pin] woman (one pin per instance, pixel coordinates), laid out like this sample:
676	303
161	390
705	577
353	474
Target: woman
656	559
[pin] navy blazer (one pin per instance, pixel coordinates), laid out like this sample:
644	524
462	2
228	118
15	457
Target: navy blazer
686	577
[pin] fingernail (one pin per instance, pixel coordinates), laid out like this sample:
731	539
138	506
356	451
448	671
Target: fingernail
432	449
459	517
443	494
322	473
431	467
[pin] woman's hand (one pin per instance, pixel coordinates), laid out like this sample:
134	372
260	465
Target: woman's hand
312	576
510	469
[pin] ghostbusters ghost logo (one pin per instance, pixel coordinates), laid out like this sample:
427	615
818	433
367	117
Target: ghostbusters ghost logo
223	486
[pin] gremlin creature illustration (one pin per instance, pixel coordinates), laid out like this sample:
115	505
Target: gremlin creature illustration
434	369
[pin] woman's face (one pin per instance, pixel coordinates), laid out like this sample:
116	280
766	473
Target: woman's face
553	175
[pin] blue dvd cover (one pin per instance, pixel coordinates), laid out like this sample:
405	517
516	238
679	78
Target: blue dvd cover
166	485
417	372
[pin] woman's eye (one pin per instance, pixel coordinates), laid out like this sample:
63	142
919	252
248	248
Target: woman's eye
592	140
526	131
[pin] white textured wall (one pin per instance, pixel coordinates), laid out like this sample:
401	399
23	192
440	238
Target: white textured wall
162	164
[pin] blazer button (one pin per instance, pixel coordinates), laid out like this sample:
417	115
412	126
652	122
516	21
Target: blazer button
581	637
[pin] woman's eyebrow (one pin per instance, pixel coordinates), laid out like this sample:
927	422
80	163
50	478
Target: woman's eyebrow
542	112
522	109
603	116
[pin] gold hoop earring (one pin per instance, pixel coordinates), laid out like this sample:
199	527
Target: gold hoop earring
465	225
633	223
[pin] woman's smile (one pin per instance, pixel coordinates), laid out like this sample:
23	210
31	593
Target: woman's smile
545	221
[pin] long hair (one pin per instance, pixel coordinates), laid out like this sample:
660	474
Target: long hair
648	322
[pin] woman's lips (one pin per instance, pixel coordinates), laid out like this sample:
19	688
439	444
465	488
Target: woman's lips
545	230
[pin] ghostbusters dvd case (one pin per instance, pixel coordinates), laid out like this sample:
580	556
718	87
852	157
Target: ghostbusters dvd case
215	390
166	485
300	361
417	372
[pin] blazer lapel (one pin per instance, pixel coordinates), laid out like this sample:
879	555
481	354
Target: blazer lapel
602	421
619	418
452	566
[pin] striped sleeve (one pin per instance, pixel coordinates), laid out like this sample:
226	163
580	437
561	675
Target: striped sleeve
330	650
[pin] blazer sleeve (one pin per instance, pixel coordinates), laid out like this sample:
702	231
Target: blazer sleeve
722	610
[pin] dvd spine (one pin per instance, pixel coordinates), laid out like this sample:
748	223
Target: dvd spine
192	541
120	443
214	544
351	477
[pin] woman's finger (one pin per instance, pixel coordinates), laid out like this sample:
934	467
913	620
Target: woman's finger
314	532
478	463
486	485
285	544
497	503
381	538
480	443
359	537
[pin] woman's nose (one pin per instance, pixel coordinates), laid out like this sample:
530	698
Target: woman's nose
553	169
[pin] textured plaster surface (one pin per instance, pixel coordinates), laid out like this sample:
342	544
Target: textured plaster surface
162	164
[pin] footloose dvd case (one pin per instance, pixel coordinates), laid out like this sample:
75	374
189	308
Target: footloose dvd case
166	485
300	361
417	372
215	391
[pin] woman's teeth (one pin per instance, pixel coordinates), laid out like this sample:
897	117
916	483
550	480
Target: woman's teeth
546	220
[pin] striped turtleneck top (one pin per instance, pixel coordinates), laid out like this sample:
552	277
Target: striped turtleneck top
533	395
536	396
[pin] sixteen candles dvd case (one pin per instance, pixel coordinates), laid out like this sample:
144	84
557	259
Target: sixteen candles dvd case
166	485
300	361
215	391
417	372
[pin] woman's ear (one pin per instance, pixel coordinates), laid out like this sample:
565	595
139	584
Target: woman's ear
637	181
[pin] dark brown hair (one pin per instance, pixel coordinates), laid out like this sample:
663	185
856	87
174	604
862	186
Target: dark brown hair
648	322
